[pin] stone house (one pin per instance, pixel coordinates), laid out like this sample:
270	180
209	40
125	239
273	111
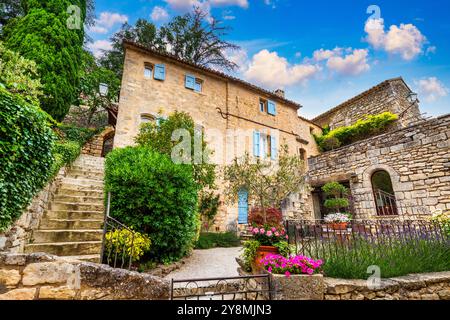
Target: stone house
238	116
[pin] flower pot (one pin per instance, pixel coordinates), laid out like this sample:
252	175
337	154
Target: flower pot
339	226
262	252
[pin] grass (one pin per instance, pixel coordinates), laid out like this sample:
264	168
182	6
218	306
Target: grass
394	257
209	240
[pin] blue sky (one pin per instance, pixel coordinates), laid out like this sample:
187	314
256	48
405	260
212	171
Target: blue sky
321	52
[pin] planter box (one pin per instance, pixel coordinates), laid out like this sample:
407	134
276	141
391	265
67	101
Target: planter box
298	287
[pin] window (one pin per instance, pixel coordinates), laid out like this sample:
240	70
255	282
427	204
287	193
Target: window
198	85
302	153
383	191
262	105
148	71
268	106
147	118
264	146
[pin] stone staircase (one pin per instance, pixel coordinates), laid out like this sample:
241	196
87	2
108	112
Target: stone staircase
72	225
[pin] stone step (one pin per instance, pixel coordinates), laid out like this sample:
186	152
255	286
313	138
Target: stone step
66	248
66	191
74	215
78	199
75	174
71	187
74	224
89	163
82	182
53	236
95	258
70	206
88	168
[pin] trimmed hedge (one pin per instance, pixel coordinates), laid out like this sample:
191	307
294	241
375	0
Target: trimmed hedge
209	240
155	197
26	159
362	129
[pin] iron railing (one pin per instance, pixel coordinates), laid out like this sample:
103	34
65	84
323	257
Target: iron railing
253	287
118	240
317	239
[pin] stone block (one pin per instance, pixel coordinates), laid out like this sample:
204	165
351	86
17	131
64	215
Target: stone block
57	293
19	294
298	287
9	277
48	272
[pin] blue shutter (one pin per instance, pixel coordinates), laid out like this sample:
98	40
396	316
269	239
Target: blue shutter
160	72
190	82
272	108
256	143
243	206
273	148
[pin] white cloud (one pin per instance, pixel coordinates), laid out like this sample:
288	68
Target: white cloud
238	3
240	57
272	71
98	46
432	89
159	14
320	55
205	5
229	17
405	40
351	64
107	20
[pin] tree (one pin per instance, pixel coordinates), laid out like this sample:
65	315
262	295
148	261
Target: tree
337	194
91	77
267	183
10	9
19	75
158	136
42	35
143	32
195	39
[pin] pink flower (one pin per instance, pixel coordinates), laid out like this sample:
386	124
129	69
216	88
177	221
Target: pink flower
269	233
269	269
277	234
262	230
274	229
287	237
310	271
287	274
255	231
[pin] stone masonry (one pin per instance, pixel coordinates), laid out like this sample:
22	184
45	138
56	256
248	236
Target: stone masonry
417	159
390	95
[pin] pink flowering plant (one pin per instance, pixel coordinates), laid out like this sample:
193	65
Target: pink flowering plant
278	264
269	236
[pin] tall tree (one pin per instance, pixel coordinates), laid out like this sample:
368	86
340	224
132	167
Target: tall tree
43	36
143	32
10	9
198	39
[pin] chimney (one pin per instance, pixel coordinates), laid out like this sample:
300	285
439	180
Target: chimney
279	92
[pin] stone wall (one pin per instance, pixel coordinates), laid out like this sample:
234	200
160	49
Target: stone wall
94	147
417	159
390	95
17	236
427	286
41	277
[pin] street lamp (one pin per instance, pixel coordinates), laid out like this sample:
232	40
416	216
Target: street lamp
103	88
412	98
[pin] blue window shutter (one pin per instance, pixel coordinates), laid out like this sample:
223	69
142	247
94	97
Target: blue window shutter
160	72
256	143
190	82
273	148
243	206
272	108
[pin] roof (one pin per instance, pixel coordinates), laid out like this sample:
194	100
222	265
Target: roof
359	96
131	44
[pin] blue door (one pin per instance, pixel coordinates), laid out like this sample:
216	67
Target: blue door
243	206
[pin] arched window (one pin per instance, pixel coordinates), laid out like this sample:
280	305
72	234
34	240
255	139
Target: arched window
146	118
383	191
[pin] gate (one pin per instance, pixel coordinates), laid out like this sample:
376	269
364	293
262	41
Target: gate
253	287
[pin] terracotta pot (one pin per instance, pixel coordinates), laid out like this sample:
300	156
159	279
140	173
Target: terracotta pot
262	252
339	226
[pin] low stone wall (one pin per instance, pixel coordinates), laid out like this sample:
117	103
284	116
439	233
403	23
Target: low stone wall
426	286
40	276
18	234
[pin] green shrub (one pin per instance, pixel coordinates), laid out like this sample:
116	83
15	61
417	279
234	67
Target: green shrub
249	253
210	240
78	134
64	152
26	160
362	129
156	197
339	194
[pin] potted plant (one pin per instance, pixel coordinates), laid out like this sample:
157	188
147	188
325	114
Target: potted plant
337	221
268	239
336	200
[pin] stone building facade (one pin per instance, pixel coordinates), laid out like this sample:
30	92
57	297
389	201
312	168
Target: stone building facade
229	109
413	155
390	95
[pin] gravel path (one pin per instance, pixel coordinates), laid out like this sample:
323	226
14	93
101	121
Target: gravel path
212	263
